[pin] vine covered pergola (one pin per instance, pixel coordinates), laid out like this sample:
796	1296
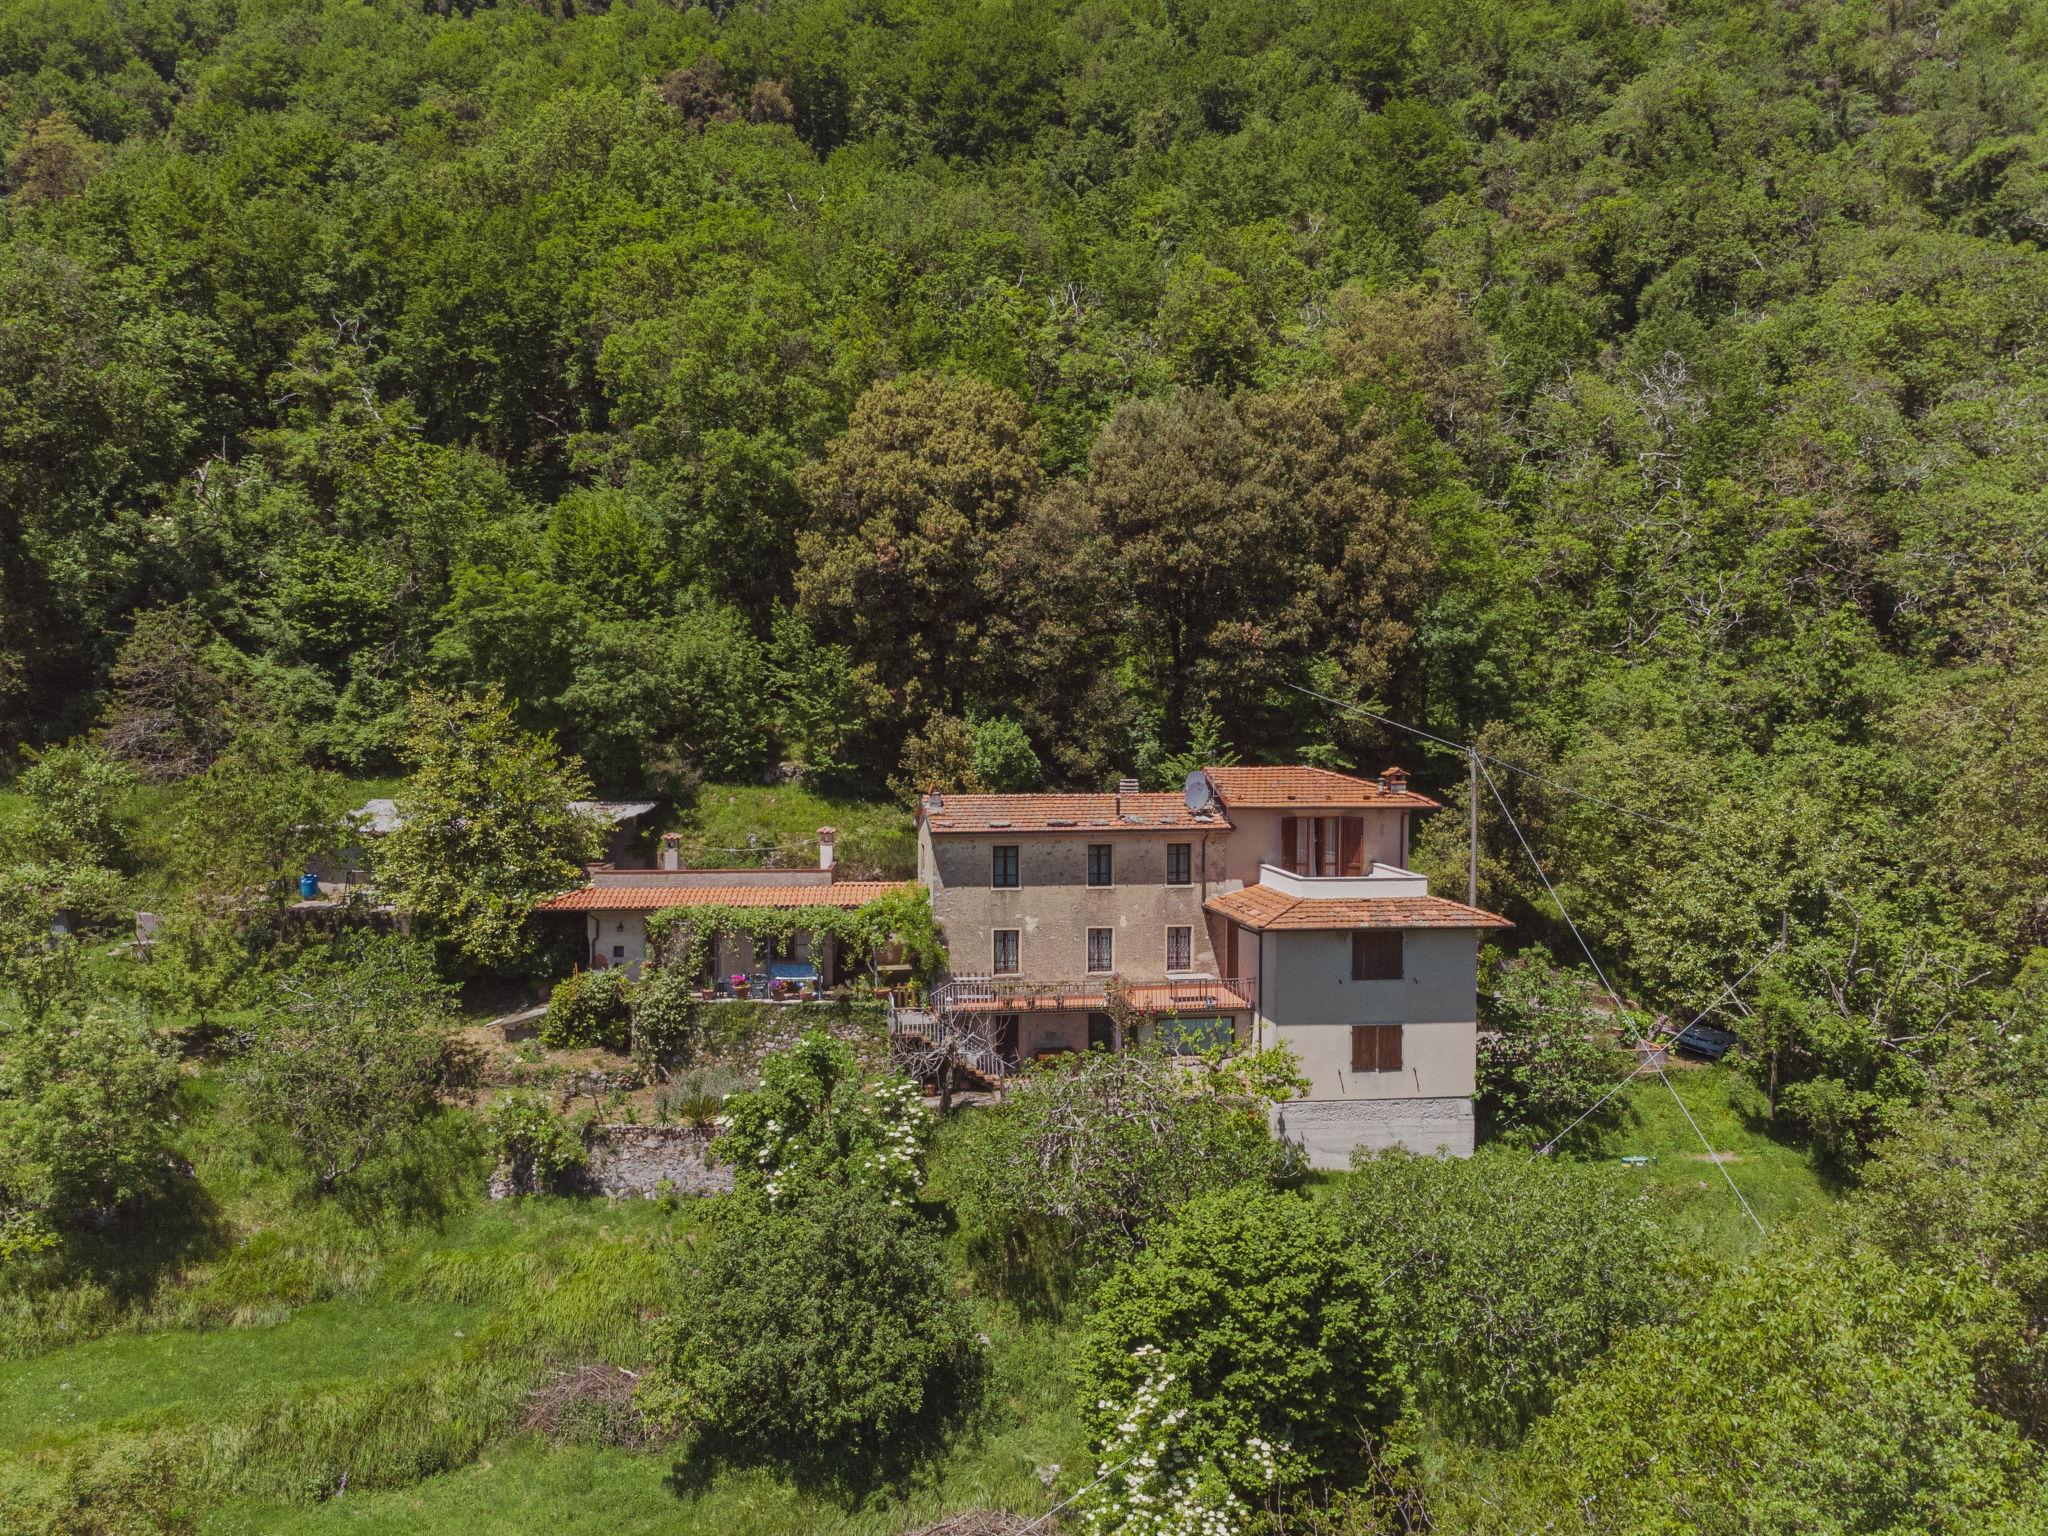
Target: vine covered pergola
683	936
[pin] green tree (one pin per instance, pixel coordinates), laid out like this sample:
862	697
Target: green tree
1003	757
75	794
817	1118
1084	1157
1823	1388
85	1113
486	825
1506	1275
349	1056
909	506
823	1335
1246	1350
1547	1053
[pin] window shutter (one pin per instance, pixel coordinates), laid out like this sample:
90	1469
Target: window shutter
1351	845
1364	1048
1390	1047
1230	951
1290	842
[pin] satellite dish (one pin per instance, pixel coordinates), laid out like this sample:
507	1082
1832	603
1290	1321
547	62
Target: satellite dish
1201	794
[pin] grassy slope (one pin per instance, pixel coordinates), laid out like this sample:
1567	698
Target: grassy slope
528	1485
743	825
304	1344
1778	1180
138	1378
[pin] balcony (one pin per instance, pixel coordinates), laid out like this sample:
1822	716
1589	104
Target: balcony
1013	994
1380	880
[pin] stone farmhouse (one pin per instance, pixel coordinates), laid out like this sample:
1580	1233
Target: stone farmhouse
1267	904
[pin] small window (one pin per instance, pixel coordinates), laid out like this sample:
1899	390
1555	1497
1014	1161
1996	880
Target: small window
1004	961
1180	949
1180	863
1099	865
1005	877
1375	956
1101	951
1375	1047
618	951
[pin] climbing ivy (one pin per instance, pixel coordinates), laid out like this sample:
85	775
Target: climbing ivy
683	935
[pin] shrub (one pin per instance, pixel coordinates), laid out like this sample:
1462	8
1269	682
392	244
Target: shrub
1247	1348
1825	1388
85	1105
589	1008
666	1020
1085	1154
824	1335
1547	1052
534	1148
351	1055
818	1117
1508	1273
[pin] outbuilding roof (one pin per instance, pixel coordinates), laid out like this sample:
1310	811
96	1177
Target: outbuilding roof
1285	787
1133	811
1263	907
653	898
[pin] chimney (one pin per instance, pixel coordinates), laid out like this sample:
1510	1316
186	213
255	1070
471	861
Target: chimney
672	850
828	855
1393	781
1127	786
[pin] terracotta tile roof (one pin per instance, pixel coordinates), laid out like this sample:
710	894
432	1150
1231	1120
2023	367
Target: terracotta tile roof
1139	812
1265	788
1261	906
652	898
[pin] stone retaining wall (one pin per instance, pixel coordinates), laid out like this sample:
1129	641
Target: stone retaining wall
640	1159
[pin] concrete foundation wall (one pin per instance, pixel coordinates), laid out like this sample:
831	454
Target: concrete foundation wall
1330	1131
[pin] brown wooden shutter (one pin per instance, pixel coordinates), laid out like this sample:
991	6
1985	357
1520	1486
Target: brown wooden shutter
1351	845
1230	951
1364	1048
1290	842
1390	1047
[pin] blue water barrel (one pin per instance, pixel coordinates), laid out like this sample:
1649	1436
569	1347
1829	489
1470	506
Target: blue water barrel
309	887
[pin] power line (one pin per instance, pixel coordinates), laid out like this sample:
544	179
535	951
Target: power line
1500	762
1712	1156
1584	948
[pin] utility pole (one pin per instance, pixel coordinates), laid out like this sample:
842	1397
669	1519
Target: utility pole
1472	829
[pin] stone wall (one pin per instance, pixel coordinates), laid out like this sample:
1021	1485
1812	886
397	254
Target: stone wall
639	1159
642	1161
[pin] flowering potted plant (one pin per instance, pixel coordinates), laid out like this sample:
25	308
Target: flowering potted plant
739	984
778	988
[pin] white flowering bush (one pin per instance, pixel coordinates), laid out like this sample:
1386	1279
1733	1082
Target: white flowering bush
1153	1483
1239	1356
818	1116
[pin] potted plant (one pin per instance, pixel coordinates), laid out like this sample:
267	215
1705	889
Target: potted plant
778	988
739	984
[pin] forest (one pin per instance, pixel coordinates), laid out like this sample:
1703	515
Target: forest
782	408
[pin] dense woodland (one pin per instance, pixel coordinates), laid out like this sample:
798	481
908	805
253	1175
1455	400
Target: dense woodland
862	398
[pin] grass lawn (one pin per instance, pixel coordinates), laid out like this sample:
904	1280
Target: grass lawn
1778	1180
527	1485
189	1375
